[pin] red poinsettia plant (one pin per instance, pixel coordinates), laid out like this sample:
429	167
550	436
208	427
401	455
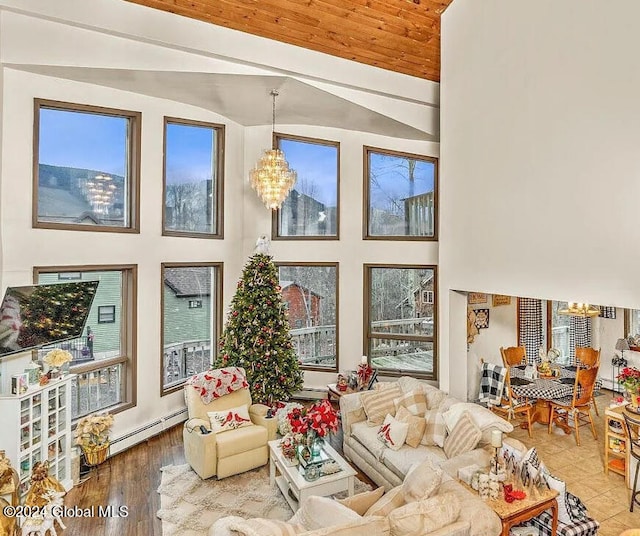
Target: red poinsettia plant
629	378
320	418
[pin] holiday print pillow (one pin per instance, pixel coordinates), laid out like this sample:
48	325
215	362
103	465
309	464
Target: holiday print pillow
229	419
393	433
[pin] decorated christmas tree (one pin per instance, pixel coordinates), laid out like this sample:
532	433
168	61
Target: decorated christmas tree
256	336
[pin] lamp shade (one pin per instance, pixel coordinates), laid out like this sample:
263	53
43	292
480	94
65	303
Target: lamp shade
622	344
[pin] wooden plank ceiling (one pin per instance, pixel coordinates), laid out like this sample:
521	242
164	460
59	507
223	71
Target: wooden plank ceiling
398	35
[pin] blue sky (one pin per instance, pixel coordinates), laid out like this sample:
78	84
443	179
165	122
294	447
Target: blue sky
389	178
189	153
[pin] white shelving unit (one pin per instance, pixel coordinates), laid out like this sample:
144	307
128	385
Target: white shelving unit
42	419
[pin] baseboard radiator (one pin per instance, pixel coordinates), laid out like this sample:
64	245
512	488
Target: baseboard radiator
311	393
147	431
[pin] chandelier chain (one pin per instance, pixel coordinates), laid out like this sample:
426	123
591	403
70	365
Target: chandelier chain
274	94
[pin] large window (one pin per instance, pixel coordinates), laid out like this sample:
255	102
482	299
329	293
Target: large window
193	170
401	327
632	323
312	208
104	357
401	200
310	294
191	320
86	167
559	329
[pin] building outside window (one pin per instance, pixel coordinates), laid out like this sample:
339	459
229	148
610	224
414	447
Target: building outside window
86	168
104	356
191	320
400	327
311	210
193	173
401	201
310	295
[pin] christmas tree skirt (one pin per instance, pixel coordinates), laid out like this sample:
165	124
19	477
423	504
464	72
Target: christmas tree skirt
190	505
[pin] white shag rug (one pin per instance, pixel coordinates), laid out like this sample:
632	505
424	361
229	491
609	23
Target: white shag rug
190	505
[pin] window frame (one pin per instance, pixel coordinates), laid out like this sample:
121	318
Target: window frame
366	197
112	315
275	214
330	264
128	332
217	286
368	334
219	129
133	166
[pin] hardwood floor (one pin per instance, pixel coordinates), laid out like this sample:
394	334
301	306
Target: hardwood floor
131	479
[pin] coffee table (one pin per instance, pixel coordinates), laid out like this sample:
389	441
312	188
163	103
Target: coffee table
293	485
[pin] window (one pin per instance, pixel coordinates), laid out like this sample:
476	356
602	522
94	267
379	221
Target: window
104	357
311	210
427	297
106	314
71	276
190	332
560	329
193	171
632	323
400	196
400	328
86	167
310	295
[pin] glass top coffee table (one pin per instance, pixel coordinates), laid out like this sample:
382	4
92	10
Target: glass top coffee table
293	485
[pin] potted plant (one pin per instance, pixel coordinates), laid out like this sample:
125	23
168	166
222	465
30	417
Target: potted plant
55	359
629	378
92	436
315	422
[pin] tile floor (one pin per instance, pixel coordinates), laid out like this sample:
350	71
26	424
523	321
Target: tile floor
582	468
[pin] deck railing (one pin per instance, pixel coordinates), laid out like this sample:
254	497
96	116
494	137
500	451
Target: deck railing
184	359
315	345
419	215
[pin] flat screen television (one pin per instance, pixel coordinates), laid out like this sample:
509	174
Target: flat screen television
38	315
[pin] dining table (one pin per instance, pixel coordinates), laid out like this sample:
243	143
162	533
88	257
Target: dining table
543	390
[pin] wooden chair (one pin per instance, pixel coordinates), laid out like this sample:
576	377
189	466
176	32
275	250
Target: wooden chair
589	357
512	406
513	356
578	404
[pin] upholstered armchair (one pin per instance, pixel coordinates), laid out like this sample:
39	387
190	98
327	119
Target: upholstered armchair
229	452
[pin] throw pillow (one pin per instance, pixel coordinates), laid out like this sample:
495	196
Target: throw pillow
417	426
421	482
435	430
317	512
434	396
560	486
530	466
377	404
577	509
387	503
414	401
265	527
425	517
393	433
229	419
361	502
463	438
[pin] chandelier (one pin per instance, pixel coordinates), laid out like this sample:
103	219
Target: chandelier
271	178
580	309
100	192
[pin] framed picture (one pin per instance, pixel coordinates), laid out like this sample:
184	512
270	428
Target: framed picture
482	318
477	297
501	299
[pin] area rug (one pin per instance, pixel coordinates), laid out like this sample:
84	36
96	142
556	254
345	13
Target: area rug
189	505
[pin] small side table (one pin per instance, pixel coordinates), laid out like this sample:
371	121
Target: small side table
334	392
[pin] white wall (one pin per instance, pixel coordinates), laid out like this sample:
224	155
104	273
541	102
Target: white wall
539	167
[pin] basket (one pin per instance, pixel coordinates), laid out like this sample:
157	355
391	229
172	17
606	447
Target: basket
96	456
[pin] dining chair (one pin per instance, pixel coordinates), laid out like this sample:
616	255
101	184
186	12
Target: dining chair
578	404
513	356
632	424
589	357
513	406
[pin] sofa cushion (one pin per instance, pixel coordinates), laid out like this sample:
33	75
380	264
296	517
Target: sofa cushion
361	502
433	395
482	417
560	486
447	402
463	438
424	517
367	526
401	461
241	440
435	431
229	419
414	401
378	404
483	520
393	433
318	512
416	424
264	527
387	503
368	438
421	481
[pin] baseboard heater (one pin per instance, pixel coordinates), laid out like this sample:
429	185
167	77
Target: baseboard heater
147	431
311	393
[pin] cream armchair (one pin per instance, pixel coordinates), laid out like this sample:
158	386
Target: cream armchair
230	452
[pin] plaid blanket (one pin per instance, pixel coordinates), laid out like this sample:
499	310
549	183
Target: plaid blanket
492	383
588	527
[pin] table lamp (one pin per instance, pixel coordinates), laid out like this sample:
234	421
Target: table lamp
496	443
621	346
